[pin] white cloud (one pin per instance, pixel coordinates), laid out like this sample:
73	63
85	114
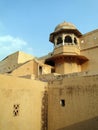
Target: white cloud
9	44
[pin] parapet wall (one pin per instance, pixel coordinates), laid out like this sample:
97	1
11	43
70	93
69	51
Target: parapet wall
56	76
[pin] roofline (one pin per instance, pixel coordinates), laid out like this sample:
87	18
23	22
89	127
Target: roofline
89	33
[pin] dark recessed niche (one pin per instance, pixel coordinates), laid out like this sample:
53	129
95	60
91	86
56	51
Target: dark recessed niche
62	102
59	40
68	39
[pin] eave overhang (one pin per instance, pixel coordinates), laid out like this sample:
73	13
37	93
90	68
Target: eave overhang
79	58
75	31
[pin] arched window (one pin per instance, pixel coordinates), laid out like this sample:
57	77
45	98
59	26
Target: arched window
75	40
68	39
59	40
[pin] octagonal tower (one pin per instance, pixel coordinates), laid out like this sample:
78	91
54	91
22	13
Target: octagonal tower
66	39
66	54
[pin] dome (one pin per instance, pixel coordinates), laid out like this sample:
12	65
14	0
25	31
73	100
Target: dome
64	25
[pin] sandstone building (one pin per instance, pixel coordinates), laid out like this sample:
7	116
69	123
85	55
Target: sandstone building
58	91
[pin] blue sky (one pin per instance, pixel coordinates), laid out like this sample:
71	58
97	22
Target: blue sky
25	25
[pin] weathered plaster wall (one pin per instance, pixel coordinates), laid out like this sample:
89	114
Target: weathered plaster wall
80	95
28	94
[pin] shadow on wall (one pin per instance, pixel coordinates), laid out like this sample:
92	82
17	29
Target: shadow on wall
91	124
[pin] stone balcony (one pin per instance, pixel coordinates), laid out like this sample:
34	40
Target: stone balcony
67	50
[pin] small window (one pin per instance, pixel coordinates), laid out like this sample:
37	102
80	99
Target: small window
75	40
68	39
16	109
59	40
62	102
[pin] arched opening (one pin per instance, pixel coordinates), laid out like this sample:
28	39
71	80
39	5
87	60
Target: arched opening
40	70
59	40
68	39
75	40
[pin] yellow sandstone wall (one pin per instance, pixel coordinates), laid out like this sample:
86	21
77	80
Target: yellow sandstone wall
46	69
9	63
28	68
13	61
89	48
59	67
71	101
92	64
23	57
69	49
63	67
27	94
31	68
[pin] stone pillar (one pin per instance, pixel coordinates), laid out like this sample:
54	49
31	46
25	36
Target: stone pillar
63	39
